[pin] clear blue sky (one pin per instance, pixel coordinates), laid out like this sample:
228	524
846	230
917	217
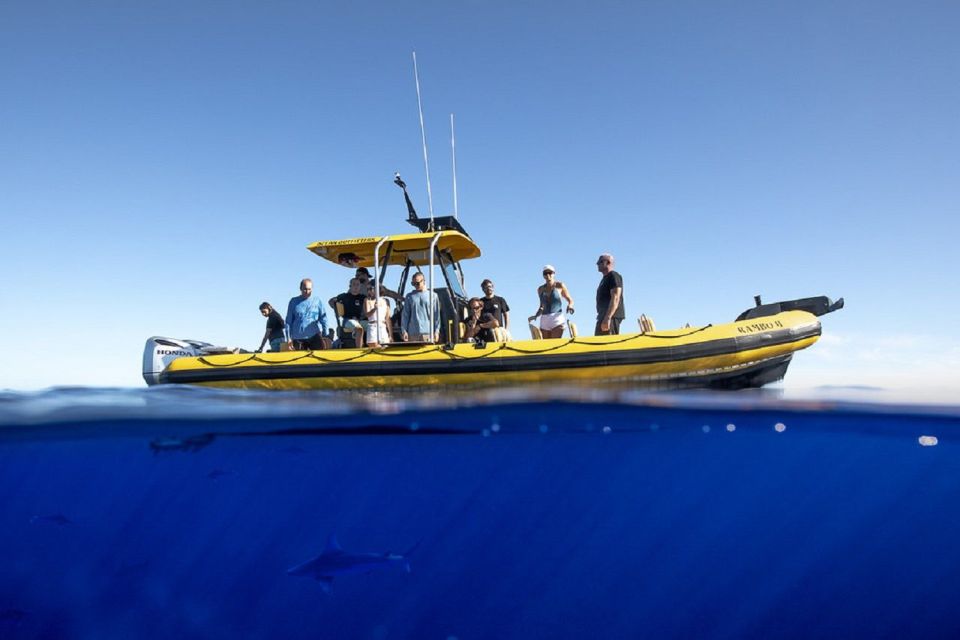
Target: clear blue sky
164	165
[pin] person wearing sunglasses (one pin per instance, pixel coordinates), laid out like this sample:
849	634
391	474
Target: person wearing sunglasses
552	293
306	319
495	306
415	319
479	324
609	298
363	274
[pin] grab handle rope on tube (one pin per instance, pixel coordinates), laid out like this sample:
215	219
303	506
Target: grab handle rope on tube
502	346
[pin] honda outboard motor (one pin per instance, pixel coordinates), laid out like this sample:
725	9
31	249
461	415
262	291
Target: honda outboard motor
160	352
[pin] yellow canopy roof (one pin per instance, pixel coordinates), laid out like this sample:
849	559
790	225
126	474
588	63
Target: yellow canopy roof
409	246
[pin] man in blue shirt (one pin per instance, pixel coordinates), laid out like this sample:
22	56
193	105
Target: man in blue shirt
306	319
415	320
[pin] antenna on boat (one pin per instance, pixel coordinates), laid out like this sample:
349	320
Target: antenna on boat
423	137
453	152
411	212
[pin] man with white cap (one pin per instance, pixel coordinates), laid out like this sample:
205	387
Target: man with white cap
550	311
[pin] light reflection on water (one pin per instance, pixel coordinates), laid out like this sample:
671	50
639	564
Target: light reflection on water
91	403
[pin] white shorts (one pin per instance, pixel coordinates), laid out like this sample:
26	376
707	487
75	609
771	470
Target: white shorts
550	321
349	324
377	332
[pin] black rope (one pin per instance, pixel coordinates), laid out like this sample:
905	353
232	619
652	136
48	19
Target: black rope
502	346
457	356
407	353
257	358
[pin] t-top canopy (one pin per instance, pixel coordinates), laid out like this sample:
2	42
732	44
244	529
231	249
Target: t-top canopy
413	247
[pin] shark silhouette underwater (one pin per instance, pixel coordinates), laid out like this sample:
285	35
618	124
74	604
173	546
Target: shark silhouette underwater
334	561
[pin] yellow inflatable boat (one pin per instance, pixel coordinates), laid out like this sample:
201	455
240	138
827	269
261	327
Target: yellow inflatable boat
751	351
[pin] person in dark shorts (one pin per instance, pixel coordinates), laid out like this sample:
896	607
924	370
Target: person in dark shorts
495	305
609	298
306	320
275	325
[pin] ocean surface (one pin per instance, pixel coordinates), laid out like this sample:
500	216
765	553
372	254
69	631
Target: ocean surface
179	512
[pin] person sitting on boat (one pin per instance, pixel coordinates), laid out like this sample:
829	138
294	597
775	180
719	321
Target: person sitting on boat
275	325
306	319
352	301
550	312
379	329
609	298
496	306
364	275
415	320
479	324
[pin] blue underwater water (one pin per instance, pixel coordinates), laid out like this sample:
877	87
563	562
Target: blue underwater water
565	513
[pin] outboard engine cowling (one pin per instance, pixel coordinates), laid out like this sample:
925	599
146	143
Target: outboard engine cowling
160	352
818	306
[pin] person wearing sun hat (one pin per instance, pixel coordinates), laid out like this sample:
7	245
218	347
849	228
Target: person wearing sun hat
551	294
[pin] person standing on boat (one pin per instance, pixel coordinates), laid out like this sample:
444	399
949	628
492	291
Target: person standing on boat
495	306
275	325
609	298
306	319
415	319
379	325
550	312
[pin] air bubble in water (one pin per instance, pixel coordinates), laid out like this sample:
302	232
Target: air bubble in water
495	427
543	428
606	429
485	433
779	427
414	426
928	441
731	427
706	428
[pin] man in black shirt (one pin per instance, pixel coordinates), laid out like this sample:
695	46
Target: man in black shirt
609	298
479	324
352	302
495	305
275	324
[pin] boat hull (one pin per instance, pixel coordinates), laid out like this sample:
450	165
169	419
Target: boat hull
748	353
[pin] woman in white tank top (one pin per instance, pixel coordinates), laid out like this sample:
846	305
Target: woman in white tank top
381	332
